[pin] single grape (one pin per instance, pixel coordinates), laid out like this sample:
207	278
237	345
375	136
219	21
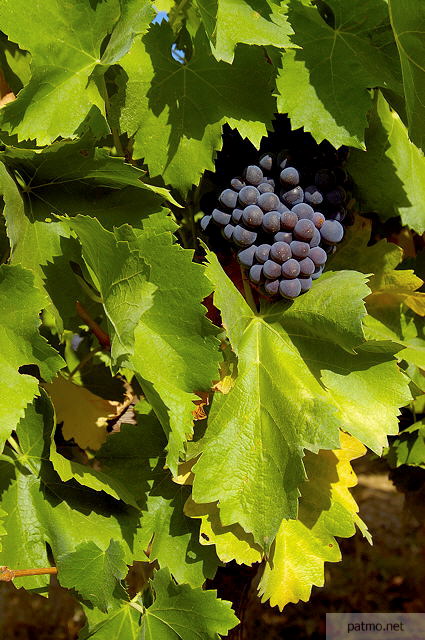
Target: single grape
294	196
265	187
253	174
262	253
227	231
256	273
336	197
318	255
283	158
246	256
317	273
228	198
332	231
303	210
271	287
237	183
268	201
318	219
266	162
290	268
290	176
305	284
205	222
315	241
324	179
271	221
299	249
290	289
280	252
313	196
242	237
304	230
307	267
283	236
288	220
339	215
248	195
271	269
282	207
237	215
252	216
220	217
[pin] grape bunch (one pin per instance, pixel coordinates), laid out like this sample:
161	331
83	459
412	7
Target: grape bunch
283	231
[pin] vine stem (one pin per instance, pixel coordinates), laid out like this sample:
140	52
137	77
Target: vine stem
114	130
84	361
103	337
248	291
7	575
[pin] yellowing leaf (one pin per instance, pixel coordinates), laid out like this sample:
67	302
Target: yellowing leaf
84	414
231	542
327	509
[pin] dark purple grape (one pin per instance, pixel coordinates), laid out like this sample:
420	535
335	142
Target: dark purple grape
303	210
256	273
268	201
266	162
205	222
313	196
271	269
242	237
318	219
339	215
246	256
228	198
237	183
220	217
283	236
324	179
317	273
288	220
299	249
253	174
307	267
315	241
262	253
280	252
336	197
227	231
332	231
305	284
237	215
252	216
271	287
290	289
318	256
291	268
294	196
265	187
290	176
248	195
271	221
304	230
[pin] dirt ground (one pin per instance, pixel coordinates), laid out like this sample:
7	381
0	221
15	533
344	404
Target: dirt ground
388	576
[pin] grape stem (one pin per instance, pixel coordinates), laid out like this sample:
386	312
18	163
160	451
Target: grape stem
7	575
248	291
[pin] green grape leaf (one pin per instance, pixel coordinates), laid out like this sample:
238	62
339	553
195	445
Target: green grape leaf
94	573
176	111
335	62
327	509
171	614
135	456
409	447
122	622
408	23
62	515
227	23
398	167
65	41
21	344
299	381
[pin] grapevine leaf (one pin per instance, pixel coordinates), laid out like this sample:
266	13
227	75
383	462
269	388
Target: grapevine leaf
21	344
176	111
62	515
327	509
409	447
94	573
136	15
408	23
228	22
335	62
137	453
298	383
397	166
171	614
121	622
